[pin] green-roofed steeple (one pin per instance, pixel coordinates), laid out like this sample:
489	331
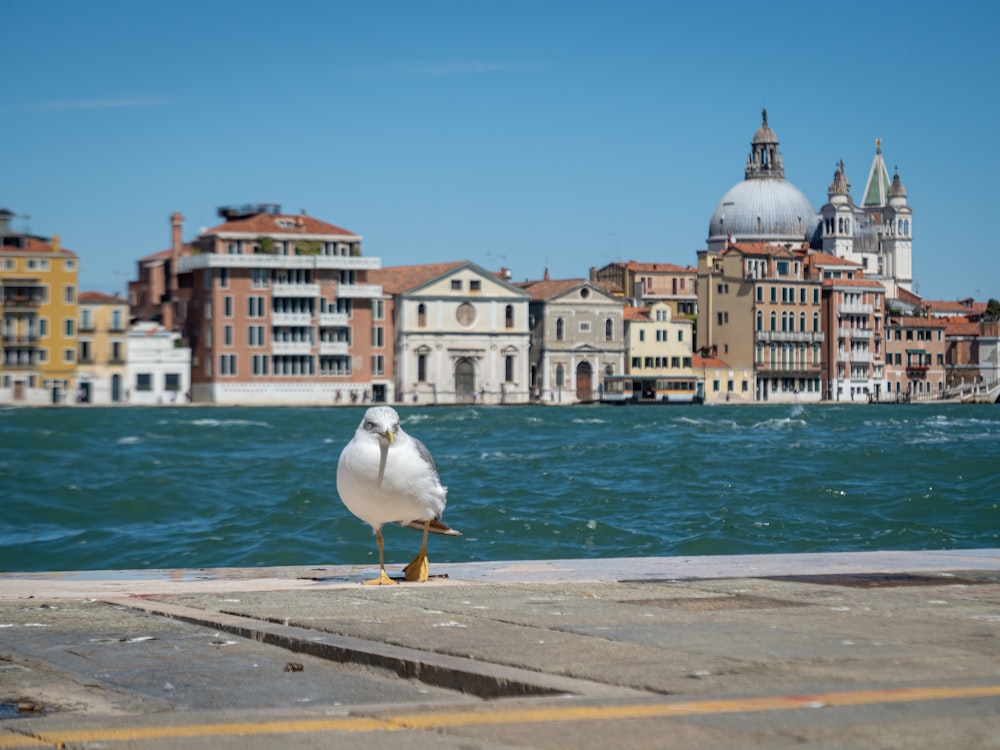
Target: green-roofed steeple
877	188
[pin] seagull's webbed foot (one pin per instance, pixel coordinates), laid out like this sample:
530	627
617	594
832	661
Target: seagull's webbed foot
382	580
418	569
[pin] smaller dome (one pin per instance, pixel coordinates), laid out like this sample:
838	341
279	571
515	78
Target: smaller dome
764	133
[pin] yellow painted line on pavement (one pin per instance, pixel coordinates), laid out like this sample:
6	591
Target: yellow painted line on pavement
497	715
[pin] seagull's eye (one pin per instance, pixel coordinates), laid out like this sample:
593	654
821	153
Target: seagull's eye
369	425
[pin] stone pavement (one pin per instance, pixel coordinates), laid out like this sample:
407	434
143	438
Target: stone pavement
874	650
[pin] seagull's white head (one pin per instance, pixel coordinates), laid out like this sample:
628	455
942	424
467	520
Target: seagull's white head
382	422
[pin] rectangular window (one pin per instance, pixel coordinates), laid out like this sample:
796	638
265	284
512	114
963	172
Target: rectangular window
378	334
456	285
227	364
509	368
227	335
69	355
172	382
227	303
143	381
475	285
378	364
223	278
584	326
70	294
70	327
378	309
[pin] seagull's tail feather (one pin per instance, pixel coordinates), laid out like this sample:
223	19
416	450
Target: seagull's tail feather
437	527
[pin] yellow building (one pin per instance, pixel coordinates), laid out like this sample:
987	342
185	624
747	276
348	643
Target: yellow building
103	347
658	358
38	310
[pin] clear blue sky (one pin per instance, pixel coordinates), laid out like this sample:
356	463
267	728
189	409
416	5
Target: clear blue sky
524	134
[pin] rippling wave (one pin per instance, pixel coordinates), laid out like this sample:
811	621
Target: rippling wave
118	488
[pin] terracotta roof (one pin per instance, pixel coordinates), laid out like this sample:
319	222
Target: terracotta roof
399	279
101	299
864	283
548	289
961	307
268	224
960	327
712	362
635	313
37	245
826	259
915	322
762	248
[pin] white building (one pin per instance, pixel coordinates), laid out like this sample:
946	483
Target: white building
159	366
461	334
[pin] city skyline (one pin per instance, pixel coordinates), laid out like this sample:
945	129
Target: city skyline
559	135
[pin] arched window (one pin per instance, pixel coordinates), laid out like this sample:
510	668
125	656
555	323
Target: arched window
609	330
802	322
815	322
421	315
508	368
560	329
774	320
509	316
760	320
560	376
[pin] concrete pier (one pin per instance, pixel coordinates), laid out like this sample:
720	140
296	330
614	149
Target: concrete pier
882	649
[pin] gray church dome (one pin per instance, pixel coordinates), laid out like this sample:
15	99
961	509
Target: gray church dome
765	207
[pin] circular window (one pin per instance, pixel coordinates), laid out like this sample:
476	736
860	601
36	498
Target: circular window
465	314
584	293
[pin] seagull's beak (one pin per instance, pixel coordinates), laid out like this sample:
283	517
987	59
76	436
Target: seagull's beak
388	436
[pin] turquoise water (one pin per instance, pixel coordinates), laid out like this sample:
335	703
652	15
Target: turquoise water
133	488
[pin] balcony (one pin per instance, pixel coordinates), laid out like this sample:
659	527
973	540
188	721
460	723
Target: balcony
854	355
334	320
855	333
806	337
286	289
263	260
19	340
335	348
16	302
291	347
359	291
291	318
854	308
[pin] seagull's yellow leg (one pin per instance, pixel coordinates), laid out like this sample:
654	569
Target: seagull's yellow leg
419	569
382	579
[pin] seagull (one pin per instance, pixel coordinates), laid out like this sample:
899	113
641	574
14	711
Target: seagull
386	476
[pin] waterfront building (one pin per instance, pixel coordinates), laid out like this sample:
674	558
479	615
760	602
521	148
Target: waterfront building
577	339
915	356
277	309
38	309
102	329
659	356
760	307
853	323
645	283
459	334
724	384
158	369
